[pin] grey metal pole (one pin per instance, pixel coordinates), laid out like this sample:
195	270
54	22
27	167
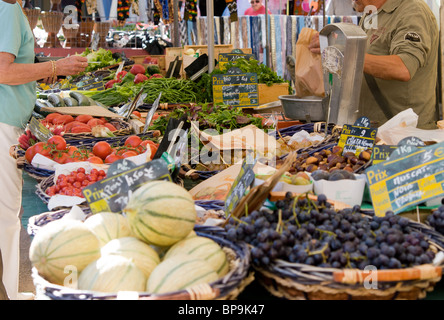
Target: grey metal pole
176	41
210	35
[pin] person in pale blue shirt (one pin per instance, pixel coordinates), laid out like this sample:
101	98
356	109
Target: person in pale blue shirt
18	76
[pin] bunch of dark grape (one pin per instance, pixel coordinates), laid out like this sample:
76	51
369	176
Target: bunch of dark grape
436	219
312	232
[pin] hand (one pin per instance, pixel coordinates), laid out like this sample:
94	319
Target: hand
71	65
314	45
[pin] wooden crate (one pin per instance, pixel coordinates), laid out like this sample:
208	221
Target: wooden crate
160	60
218	48
269	94
174	52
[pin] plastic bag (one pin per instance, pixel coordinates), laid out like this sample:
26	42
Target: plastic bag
403	125
309	79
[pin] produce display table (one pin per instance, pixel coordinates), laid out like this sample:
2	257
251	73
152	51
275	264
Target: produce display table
298	222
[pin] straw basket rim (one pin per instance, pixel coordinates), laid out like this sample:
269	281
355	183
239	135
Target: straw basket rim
226	288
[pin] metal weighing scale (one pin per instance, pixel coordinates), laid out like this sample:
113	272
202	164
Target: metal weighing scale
343	48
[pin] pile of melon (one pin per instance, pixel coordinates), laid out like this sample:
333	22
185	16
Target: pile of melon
151	247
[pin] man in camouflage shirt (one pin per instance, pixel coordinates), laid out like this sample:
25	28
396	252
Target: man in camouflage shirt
401	60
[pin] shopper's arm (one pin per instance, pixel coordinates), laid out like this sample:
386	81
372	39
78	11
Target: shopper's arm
386	67
16	73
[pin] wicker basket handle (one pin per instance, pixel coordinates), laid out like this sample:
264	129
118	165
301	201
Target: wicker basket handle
423	272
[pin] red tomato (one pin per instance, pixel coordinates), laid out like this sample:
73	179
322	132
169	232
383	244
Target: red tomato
150	144
58	142
42	148
95	159
133	141
30	153
102	149
72	150
129	153
60	157
112	158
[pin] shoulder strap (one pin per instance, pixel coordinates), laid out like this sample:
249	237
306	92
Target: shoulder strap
380	99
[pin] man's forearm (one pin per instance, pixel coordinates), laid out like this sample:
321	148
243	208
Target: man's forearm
386	67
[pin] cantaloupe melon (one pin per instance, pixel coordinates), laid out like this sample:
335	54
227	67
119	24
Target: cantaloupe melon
108	226
178	273
203	248
161	213
142	254
63	244
112	274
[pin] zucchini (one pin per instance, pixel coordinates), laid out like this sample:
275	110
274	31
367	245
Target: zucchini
80	97
37	115
70	102
92	102
56	100
38	108
48	104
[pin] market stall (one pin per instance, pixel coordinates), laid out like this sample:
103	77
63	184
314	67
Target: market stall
167	178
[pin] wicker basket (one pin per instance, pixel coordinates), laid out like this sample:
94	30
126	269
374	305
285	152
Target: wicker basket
41	174
225	288
298	281
42	186
36	222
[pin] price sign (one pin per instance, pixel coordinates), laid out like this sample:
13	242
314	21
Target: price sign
358	137
235	88
244	179
411	175
39	130
235	54
95	83
383	152
112	193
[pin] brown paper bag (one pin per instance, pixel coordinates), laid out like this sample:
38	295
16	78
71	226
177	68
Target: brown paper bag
308	67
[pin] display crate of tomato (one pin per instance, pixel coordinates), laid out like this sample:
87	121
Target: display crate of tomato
61	151
102	152
72	180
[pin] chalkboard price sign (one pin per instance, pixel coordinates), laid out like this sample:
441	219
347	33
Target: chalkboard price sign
383	152
112	193
235	88
235	54
407	180
93	84
39	130
243	181
358	137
